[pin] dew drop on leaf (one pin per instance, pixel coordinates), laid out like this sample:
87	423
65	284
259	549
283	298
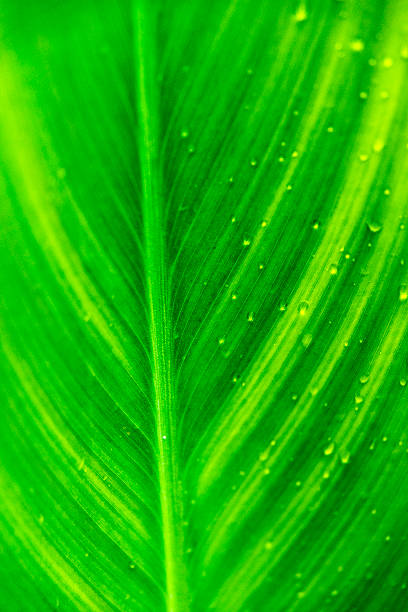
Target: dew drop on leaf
301	13
345	456
329	449
303	308
403	293
221	341
333	269
364	379
403	382
374	226
246	242
250	317
357	46
378	146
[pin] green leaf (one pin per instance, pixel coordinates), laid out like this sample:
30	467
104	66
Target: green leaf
204	298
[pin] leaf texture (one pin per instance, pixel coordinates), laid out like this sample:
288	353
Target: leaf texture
204	305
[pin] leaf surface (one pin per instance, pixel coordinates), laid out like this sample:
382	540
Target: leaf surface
204	305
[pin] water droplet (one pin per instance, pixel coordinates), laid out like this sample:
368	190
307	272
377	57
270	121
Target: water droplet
164	437
264	224
387	62
363	157
329	449
250	317
378	146
295	154
358	399
253	163
384	95
233	219
261	266
301	13
191	149
184	134
221	341
268	545
363	95
246	242
315	225
303	308
345	456
403	382
231	180
364	379
333	269
374	226
403	293
132	565
282	307
330	129
234	296
357	45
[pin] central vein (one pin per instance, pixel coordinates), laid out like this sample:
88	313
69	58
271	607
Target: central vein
157	286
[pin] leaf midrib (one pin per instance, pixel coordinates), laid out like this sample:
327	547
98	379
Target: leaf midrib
158	298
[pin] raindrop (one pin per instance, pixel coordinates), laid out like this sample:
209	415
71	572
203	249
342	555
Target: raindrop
374	226
329	449
345	456
378	146
357	45
221	341
246	242
403	293
250	317
403	382
301	14
364	379
333	269
303	308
